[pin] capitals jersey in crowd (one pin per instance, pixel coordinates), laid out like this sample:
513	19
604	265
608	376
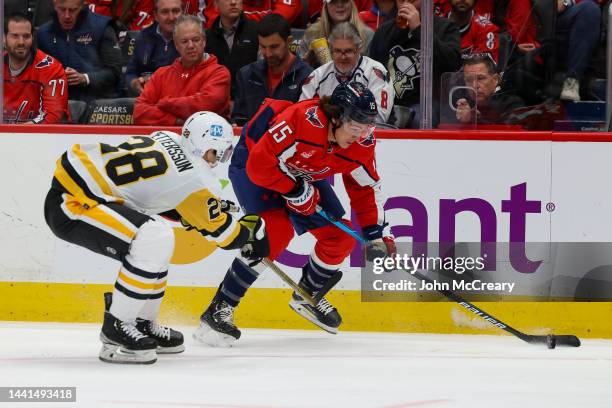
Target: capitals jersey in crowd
139	15
480	36
256	9
38	94
287	141
323	80
151	175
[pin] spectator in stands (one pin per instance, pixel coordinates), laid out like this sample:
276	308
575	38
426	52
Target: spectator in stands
582	21
490	105
279	75
86	45
334	12
348	65
478	34
128	14
256	10
35	85
232	38
378	13
194	82
315	7
154	47
398	49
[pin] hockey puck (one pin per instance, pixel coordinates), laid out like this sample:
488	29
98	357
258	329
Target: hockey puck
551	341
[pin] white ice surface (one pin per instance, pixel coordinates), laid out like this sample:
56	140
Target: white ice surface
275	368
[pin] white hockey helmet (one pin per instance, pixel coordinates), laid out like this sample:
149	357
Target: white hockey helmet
204	131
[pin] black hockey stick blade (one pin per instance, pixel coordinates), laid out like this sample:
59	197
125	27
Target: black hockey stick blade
331	282
552	340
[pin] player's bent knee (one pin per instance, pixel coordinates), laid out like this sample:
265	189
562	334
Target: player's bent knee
152	247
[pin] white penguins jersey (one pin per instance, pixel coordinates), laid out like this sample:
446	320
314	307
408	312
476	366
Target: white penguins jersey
152	175
372	74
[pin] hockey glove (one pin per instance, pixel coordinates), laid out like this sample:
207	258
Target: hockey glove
303	199
381	242
257	246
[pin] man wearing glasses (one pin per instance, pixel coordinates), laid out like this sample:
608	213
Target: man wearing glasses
348	65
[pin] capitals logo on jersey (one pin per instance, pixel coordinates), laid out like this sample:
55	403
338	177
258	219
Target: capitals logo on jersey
45	62
311	116
404	67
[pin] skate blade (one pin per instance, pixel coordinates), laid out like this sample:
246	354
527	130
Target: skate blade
206	335
170	350
302	311
112	353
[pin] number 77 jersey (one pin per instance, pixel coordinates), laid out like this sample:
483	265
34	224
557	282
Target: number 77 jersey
149	174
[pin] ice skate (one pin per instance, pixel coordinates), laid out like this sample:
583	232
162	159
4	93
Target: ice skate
217	328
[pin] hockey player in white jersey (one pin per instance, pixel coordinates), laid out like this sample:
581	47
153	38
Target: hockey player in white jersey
107	199
348	65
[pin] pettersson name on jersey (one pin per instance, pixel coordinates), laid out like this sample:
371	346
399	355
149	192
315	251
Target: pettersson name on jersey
177	155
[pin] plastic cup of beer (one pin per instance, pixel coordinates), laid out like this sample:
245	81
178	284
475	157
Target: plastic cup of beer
321	50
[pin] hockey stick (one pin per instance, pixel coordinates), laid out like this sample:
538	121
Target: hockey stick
287	279
551	340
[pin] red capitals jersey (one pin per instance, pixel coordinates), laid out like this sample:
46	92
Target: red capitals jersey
296	145
137	17
518	20
256	10
39	94
480	36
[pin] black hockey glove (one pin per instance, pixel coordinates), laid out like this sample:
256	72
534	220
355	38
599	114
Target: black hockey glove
257	246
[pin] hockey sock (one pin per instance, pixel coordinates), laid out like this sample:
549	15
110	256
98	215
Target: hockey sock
150	310
237	281
316	275
144	271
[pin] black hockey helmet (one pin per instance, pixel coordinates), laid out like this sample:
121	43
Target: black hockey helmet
357	101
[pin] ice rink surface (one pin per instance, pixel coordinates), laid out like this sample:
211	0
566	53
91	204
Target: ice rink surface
274	368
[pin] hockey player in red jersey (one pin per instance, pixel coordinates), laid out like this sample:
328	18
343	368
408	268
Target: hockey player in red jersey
279	171
35	85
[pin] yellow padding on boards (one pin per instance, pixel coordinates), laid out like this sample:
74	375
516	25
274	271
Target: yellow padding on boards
267	308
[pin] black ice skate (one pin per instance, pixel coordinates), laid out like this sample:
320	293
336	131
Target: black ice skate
324	315
169	341
217	328
123	343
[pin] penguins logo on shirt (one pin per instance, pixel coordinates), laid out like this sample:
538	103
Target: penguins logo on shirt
404	69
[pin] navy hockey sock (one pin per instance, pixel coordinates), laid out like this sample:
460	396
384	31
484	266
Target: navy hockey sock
237	281
316	275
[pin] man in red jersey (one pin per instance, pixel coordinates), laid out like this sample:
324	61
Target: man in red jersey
255	10
132	14
194	82
478	34
35	85
279	171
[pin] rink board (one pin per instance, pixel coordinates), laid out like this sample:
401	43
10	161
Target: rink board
44	279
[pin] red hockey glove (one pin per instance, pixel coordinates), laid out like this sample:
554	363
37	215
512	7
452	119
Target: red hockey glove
303	199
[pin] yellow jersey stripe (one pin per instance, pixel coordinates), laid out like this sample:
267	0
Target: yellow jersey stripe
71	186
93	171
141	285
